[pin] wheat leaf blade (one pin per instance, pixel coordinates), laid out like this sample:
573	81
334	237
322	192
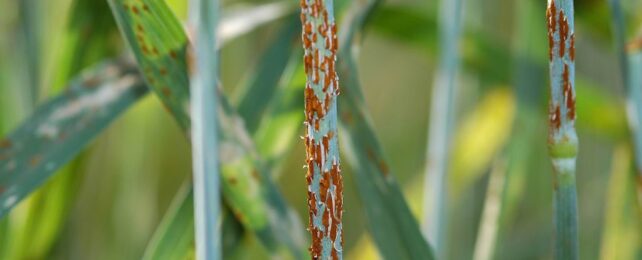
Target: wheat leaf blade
60	128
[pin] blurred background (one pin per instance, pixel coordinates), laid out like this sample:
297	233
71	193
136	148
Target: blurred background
107	202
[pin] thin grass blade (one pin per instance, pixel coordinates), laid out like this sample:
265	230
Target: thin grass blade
174	237
621	238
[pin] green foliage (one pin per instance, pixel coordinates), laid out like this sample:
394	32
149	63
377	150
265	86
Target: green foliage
59	129
246	183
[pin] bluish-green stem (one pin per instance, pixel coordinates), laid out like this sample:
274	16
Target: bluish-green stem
562	139
634	111
203	16
441	121
630	65
325	182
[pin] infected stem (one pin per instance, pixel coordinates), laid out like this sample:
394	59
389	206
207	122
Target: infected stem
562	139
325	182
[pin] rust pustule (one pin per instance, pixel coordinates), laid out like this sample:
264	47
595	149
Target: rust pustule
384	168
163	71
563	33
35	160
166	91
572	47
135	10
91	82
172	54
551	11
554	117
256	175
569	97
313	105
5	144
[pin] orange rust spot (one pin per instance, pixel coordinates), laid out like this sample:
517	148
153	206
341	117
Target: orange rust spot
563	33
313	105
173	54
62	136
307	28
145	50
166	91
145	7
554	118
91	82
572	47
155	51
569	98
634	45
551	24
232	180
163	71
384	168
5	144
135	10
239	216
35	160
256	175
140	28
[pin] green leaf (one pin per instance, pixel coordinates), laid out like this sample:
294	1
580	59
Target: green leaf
60	128
247	186
393	227
262	85
174	237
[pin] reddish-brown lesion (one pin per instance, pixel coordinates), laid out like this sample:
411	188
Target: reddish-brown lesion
35	160
5	144
551	11
572	47
556	21
569	96
166	91
554	117
564	29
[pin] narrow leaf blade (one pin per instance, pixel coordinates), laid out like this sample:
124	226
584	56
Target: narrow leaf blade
60	128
